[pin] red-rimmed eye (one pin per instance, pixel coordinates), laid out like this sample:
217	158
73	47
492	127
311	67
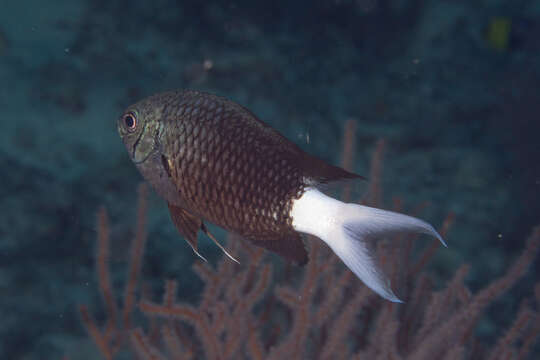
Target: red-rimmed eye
130	121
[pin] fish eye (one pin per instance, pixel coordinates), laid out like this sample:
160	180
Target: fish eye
130	121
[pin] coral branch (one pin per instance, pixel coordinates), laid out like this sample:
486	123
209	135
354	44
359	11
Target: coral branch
142	346
320	313
137	250
451	332
347	162
374	192
94	332
102	265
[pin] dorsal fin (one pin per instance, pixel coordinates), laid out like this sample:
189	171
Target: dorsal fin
291	247
323	173
269	140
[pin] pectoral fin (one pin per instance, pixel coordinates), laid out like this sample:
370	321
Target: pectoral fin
187	225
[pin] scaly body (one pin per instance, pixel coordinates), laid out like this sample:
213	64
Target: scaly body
211	159
229	169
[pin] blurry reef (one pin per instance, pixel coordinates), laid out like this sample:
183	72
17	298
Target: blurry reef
263	310
453	87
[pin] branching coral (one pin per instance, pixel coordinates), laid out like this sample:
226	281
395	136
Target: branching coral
323	313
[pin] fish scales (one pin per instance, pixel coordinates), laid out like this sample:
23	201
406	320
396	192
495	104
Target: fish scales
228	171
213	160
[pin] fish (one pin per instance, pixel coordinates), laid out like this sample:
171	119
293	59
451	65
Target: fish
212	160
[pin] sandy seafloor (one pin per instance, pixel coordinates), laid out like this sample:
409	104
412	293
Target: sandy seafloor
458	107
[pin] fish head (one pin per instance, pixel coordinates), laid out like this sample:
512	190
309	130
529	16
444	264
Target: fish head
140	128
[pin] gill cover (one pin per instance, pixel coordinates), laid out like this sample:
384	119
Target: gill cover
140	131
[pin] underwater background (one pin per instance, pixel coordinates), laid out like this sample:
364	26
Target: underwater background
453	87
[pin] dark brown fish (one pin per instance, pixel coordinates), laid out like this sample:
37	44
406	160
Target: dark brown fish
212	159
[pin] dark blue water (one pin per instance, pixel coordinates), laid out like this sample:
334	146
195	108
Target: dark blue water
453	87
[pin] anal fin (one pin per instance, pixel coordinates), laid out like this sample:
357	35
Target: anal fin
291	247
187	225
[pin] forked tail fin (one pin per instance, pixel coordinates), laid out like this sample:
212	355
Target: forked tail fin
347	227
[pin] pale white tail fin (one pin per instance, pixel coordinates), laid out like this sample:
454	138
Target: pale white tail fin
346	227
